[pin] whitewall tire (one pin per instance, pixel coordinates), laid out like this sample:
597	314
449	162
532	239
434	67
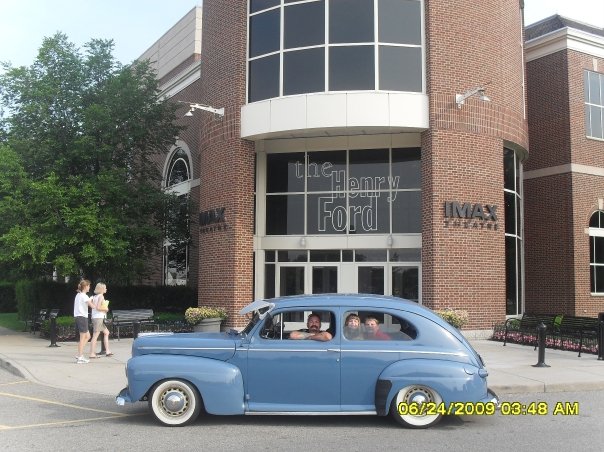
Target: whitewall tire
175	402
412	397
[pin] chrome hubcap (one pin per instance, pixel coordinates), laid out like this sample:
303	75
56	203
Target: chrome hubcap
174	401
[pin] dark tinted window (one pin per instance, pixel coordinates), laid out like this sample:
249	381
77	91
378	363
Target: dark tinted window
369	212
406	212
304	25
351	21
326	214
406	164
399	21
292	255
325	255
401	68
304	71
264	32
510	212
326	171
259	5
508	169
370	255
285	173
351	68
264	78
284	214
366	166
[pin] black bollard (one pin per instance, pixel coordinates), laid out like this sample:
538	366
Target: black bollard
541	333
53	332
136	328
601	340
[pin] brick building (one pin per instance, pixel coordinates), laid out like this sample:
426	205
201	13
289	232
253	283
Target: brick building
378	147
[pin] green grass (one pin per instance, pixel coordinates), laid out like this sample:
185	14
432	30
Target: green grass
10	321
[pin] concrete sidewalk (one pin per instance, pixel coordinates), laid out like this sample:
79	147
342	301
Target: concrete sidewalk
511	369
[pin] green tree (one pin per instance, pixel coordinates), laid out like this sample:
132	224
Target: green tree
80	185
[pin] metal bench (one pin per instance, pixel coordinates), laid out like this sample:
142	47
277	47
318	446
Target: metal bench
526	327
576	328
43	315
122	317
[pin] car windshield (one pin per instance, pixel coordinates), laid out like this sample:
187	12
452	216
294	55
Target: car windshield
255	318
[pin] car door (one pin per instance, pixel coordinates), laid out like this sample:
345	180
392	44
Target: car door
292	375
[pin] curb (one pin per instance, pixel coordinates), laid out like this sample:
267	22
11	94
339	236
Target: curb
6	365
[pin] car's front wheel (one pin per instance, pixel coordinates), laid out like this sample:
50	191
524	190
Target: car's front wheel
175	402
408	407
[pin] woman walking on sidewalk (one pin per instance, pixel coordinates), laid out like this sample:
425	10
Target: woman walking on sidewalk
80	312
99	313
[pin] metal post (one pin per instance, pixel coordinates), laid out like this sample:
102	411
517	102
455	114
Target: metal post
136	328
53	331
541	328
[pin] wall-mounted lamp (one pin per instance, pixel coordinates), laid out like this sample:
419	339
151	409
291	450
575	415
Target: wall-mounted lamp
303	242
389	241
192	107
460	99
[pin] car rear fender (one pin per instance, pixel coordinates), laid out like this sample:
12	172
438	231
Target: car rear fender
454	381
220	384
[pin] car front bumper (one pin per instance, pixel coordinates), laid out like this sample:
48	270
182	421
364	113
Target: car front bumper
123	397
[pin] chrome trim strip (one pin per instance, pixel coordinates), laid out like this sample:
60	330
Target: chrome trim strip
415	352
311	413
185	348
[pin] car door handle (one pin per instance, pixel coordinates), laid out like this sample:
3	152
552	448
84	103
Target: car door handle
337	350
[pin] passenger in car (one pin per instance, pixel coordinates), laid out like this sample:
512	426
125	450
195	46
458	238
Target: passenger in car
372	330
313	330
352	328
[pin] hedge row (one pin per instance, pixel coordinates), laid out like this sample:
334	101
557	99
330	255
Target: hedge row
35	295
8	302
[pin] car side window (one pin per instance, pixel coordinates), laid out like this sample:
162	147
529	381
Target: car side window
282	325
377	326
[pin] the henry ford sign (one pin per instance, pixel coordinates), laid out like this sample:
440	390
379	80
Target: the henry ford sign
469	215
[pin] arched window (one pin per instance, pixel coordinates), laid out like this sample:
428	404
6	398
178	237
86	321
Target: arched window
177	238
596	252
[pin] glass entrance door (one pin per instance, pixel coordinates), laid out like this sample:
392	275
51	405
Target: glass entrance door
324	279
370	279
405	282
291	281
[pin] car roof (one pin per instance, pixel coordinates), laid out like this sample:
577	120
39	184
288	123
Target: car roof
352	300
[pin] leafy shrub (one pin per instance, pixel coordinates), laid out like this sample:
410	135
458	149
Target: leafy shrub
456	317
8	302
196	315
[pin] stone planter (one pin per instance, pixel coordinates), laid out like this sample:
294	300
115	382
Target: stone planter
208	325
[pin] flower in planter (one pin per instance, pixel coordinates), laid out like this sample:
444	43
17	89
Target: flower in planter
194	316
456	317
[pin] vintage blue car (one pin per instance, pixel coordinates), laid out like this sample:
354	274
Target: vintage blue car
311	355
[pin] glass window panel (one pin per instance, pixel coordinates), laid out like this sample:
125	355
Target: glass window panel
406	165
406	255
351	21
326	171
369	169
400	21
324	279
269	256
406	212
347	255
285	172
327	214
591	249
291	281
592	274
601	89
594	89
510	277
285	215
265	33
401	69
371	280
351	68
588	120
304	71
598	250
370	255
586	85
259	5
369	212
599	283
304	25
269	281
510	213
596	122
594	221
264	78
405	283
325	255
292	256
508	169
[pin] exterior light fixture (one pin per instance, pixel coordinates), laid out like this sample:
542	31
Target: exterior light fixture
460	99
389	241
193	106
303	242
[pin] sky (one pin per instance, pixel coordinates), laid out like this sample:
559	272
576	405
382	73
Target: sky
136	24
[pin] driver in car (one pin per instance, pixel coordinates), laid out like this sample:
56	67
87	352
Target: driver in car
313	330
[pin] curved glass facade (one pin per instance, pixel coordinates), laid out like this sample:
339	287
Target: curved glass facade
314	46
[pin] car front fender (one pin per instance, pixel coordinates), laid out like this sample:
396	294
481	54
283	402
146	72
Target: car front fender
220	384
454	381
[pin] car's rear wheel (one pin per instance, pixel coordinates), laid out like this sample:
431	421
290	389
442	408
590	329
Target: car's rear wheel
411	399
175	402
